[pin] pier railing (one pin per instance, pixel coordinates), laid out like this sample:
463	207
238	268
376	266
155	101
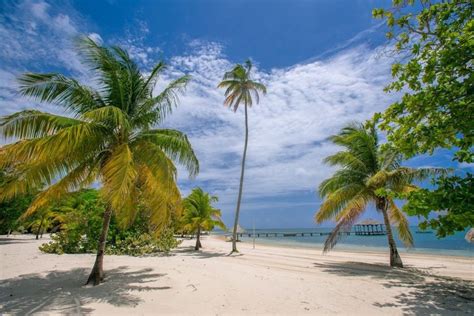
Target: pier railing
309	234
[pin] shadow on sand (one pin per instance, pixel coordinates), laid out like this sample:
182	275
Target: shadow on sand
63	291
423	294
198	254
13	240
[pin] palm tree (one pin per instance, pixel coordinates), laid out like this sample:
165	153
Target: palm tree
240	88
368	174
108	138
199	214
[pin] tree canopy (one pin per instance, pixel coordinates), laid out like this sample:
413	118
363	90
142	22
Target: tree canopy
435	76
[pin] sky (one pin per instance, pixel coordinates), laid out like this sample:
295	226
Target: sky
324	62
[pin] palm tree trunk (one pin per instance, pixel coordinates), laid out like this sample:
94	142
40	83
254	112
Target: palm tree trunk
39	228
97	273
395	260
198	239
239	198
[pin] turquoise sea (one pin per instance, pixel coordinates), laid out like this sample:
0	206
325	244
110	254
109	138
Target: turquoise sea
454	245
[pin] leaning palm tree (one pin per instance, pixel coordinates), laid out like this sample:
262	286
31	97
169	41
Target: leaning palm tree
368	174
240	88
108	138
199	214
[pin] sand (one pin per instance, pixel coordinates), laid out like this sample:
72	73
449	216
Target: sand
265	280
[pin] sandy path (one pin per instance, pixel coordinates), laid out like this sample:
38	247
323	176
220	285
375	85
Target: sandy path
266	280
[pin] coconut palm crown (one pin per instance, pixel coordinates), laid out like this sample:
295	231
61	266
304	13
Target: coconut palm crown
241	89
109	137
368	174
199	214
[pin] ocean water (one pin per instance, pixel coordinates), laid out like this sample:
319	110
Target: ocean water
454	245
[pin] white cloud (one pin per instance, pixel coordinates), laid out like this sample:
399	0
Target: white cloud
133	41
288	130
32	32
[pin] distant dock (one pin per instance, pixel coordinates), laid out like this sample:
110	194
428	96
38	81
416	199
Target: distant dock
367	228
291	234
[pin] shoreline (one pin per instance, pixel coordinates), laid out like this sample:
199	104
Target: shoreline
264	281
361	249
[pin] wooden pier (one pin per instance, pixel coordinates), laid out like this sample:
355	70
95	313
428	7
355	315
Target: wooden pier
369	228
289	234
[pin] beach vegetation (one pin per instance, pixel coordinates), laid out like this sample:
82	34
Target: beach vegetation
11	209
109	137
80	227
434	41
368	174
200	215
241	89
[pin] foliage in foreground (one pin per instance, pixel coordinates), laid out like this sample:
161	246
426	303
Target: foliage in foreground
83	223
437	108
111	136
453	194
131	244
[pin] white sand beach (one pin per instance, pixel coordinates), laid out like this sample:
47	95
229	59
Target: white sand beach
265	280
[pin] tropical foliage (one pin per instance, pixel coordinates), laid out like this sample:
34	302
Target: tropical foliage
81	221
12	209
454	195
241	89
199	214
368	174
108	137
437	107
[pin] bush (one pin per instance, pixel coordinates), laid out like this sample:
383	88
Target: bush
83	224
144	244
64	242
132	244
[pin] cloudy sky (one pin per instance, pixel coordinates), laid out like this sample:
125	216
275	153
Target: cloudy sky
324	63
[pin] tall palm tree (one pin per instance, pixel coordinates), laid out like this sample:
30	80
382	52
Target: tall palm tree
368	174
108	137
240	88
199	214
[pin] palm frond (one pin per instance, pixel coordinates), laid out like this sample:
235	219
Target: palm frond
176	146
155	110
119	177
80	177
110	116
61	90
33	124
152	78
161	197
349	216
403	227
337	201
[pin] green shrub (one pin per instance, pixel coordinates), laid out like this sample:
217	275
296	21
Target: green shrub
144	244
64	242
83	223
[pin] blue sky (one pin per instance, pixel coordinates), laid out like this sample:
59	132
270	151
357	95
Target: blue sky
324	63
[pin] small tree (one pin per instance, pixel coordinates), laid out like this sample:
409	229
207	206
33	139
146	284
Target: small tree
368	174
199	214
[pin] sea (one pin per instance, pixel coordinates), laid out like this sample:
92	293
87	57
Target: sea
425	242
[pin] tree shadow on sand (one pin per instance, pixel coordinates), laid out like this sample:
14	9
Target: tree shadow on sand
423	293
63	291
198	254
13	240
